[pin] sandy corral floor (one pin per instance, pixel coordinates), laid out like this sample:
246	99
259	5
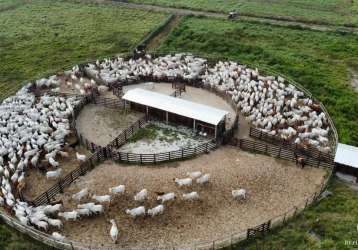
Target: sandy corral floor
36	181
273	187
101	125
193	94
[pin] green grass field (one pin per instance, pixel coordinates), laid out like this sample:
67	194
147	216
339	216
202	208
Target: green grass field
44	36
12	240
325	226
318	60
338	12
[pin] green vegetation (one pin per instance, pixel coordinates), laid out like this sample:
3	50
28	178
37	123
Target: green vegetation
10	4
43	36
153	132
320	61
324	226
341	12
12	240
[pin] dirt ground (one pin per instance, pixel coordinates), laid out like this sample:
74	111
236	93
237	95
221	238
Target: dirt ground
101	125
273	186
36	181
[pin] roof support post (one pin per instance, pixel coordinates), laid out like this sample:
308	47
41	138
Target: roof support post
216	131
166	117
194	125
147	111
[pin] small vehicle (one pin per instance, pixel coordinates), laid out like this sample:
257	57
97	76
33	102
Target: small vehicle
233	15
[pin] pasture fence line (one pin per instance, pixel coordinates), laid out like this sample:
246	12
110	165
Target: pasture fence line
155	32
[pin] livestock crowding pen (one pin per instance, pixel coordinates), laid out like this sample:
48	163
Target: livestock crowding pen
274	146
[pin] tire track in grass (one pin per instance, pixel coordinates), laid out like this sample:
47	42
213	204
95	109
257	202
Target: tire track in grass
267	20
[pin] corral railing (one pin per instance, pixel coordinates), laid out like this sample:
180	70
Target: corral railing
181	154
127	157
89	164
282	152
128	132
276	140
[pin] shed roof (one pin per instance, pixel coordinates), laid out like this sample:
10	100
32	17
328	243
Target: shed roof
347	155
175	105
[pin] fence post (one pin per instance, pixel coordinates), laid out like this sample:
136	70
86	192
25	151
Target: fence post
48	198
141	160
60	186
82	171
169	157
318	162
182	153
279	152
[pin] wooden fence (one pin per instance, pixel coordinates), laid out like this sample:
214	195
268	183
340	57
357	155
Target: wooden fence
109	102
181	154
128	132
307	151
282	152
89	164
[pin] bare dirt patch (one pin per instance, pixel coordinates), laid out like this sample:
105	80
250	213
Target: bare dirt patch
274	186
101	125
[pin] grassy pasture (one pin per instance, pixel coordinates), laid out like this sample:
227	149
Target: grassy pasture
320	61
339	12
12	240
327	225
44	36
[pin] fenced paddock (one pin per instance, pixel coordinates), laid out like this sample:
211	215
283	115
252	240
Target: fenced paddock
271	192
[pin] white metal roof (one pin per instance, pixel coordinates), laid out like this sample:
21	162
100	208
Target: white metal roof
347	155
175	105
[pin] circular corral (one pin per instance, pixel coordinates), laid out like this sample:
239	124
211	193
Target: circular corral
274	186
